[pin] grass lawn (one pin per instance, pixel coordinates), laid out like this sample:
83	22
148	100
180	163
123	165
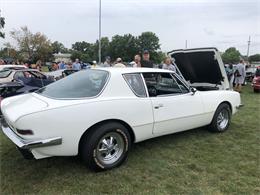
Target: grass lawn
192	162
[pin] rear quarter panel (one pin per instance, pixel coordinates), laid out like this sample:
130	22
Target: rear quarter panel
212	99
70	122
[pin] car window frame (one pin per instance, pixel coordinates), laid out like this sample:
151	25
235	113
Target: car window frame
175	77
17	72
166	95
5	70
143	81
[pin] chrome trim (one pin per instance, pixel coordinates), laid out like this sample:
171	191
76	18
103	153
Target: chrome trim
239	106
29	144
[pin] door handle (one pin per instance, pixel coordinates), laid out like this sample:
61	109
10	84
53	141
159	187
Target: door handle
158	106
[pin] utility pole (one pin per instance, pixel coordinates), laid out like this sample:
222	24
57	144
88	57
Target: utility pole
248	46
186	44
99	37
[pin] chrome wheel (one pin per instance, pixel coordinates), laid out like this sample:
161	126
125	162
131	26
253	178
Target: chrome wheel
110	148
223	119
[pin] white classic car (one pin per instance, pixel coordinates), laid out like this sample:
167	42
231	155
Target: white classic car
99	113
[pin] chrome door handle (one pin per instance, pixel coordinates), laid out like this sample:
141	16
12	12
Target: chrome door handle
158	106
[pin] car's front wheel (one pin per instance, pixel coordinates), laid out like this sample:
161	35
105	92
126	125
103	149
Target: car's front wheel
106	147
221	119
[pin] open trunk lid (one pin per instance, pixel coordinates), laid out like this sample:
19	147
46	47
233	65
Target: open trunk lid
201	67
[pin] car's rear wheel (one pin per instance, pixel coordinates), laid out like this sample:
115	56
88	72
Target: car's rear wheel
221	119
106	147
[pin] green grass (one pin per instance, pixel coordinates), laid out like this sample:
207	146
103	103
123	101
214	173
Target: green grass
192	162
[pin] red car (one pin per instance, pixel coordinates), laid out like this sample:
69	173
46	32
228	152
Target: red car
256	81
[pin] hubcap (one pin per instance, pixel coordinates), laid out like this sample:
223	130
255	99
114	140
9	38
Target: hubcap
110	148
222	120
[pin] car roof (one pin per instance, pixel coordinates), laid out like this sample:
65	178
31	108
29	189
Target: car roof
134	70
11	66
23	70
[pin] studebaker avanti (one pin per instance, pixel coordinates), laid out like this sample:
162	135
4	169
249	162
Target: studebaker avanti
99	113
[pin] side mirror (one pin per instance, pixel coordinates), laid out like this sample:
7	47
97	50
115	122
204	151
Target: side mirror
193	90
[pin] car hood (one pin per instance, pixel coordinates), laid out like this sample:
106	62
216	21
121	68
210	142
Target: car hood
15	107
203	65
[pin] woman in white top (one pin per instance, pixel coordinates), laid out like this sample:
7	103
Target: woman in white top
168	64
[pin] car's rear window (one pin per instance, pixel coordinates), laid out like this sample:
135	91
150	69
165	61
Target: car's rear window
5	73
87	83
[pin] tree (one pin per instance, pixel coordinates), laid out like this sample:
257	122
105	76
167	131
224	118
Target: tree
58	47
148	41
83	51
2	24
32	46
158	57
254	58
123	46
231	55
81	46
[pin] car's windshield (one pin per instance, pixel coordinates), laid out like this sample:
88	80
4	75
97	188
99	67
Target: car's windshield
88	83
4	73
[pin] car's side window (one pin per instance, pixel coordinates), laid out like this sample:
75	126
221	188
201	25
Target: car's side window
135	82
159	84
18	75
182	86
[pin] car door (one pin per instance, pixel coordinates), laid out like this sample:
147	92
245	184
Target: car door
175	108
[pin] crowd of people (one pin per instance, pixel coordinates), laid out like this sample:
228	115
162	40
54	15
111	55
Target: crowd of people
138	61
236	74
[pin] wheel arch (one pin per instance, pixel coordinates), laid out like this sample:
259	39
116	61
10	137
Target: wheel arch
90	129
228	103
223	102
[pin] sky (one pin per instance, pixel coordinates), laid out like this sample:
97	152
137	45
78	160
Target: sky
203	23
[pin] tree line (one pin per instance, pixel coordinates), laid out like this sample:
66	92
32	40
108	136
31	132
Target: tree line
37	46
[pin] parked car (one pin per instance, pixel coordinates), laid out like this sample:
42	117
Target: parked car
14	74
61	73
250	73
256	81
15	82
99	113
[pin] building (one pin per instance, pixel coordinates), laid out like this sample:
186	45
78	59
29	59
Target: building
58	57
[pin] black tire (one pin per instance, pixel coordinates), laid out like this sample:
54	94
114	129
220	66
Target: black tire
99	139
256	90
216	125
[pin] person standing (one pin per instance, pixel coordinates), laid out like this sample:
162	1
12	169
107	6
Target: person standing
62	65
240	74
168	64
94	64
230	74
146	62
119	63
137	61
76	65
107	63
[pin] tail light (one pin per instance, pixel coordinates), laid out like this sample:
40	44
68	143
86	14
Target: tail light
24	132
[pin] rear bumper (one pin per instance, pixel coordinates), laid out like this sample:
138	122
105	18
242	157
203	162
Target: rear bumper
239	106
256	86
28	144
